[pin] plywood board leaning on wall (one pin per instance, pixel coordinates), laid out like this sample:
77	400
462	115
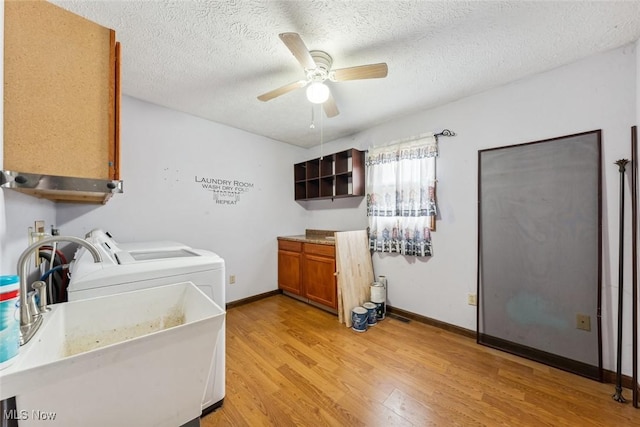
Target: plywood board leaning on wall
355	272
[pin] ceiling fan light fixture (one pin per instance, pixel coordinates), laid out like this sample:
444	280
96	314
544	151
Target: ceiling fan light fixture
317	68
317	93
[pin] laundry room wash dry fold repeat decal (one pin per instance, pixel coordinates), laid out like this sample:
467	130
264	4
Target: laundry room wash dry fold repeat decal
225	191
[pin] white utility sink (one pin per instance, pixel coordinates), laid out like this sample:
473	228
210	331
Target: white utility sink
138	358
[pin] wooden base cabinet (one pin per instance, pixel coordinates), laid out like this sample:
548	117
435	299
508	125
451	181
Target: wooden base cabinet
318	272
290	267
308	272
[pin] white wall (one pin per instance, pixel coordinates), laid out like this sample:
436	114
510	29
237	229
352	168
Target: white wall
596	93
163	151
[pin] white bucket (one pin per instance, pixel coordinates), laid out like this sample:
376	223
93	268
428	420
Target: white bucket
372	318
378	292
381	310
359	318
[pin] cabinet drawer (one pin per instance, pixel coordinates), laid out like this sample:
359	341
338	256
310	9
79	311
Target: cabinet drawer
288	245
325	250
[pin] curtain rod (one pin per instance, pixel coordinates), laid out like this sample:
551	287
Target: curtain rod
445	132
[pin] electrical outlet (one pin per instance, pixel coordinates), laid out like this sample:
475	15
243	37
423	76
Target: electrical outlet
471	299
232	279
583	321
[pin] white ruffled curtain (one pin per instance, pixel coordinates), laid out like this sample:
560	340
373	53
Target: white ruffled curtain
400	185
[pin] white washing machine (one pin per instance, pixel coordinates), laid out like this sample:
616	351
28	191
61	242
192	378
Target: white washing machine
131	266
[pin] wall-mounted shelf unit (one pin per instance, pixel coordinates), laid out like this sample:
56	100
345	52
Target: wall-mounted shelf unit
332	176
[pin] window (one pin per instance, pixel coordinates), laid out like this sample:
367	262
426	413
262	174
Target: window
401	202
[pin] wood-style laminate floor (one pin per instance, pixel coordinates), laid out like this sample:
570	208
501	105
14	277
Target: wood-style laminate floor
291	364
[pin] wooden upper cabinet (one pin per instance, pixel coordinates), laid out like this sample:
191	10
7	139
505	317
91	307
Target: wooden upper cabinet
61	93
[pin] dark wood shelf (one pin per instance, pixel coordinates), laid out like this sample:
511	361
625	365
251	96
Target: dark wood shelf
313	188
313	169
326	166
300	172
326	186
335	175
301	190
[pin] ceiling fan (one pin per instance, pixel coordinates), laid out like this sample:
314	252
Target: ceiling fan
317	68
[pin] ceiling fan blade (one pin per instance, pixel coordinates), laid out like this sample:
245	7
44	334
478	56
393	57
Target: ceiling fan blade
371	71
329	106
282	90
299	50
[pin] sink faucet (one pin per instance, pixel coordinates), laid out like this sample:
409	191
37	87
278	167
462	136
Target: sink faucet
30	317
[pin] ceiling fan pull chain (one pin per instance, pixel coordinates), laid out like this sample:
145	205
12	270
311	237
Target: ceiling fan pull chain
321	132
313	124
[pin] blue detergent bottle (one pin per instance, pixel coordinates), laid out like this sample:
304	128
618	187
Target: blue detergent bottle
9	319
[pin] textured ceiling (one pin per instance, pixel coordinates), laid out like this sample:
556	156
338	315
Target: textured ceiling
213	58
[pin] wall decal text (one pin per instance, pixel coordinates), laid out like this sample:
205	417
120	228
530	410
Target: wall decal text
225	191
